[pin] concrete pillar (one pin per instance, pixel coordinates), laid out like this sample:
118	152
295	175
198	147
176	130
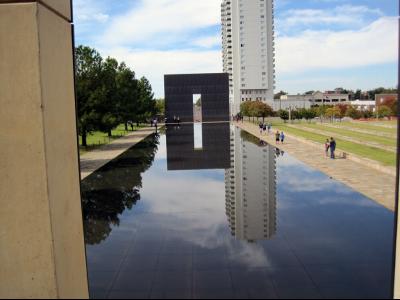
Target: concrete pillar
397	211
41	234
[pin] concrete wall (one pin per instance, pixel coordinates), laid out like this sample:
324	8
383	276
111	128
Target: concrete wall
41	238
214	90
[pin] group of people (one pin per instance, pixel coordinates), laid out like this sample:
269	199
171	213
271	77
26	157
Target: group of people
237	118
330	145
177	120
264	127
279	137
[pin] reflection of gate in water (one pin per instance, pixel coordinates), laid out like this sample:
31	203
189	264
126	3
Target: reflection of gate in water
214	152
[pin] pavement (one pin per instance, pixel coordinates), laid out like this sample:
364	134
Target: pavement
94	160
375	184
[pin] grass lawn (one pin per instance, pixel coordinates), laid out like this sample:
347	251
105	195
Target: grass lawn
358	136
385	157
369	126
98	138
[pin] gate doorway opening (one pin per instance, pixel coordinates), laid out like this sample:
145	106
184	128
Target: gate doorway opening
197	109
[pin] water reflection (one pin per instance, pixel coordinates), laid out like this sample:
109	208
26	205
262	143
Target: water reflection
182	153
107	193
250	173
176	241
250	186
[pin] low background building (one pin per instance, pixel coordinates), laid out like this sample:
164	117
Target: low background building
306	101
364	105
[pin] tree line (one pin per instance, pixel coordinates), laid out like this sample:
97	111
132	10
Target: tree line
258	109
109	94
387	109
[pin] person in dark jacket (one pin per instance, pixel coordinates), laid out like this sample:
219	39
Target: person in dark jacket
332	147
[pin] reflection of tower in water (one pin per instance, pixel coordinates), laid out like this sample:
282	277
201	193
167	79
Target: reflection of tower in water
250	186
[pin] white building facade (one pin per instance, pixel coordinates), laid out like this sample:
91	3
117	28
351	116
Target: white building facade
248	50
364	105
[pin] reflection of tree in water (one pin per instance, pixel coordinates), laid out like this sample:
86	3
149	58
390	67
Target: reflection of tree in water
257	141
114	188
252	139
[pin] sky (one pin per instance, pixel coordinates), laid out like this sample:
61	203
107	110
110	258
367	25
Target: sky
319	44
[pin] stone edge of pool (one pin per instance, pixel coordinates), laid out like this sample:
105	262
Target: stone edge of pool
94	160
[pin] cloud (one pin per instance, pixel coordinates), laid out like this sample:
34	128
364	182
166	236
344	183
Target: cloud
155	63
88	11
157	37
374	44
209	41
155	19
343	15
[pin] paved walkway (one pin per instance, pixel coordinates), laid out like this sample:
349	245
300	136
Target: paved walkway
372	183
94	160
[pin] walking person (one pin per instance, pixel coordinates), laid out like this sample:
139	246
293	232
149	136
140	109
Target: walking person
282	137
264	128
327	145
155	122
332	147
269	128
277	137
260	126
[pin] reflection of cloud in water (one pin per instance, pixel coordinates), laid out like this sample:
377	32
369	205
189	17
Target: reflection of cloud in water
250	255
298	177
177	193
192	201
296	180
162	152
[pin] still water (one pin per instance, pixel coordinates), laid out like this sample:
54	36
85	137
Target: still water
231	218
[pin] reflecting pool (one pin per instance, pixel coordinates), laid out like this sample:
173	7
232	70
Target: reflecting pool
234	218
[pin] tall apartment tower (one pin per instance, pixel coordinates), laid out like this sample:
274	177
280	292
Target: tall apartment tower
248	50
250	189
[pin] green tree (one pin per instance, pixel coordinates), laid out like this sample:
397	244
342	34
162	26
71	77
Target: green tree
127	94
296	114
160	107
392	103
308	114
108	104
353	113
284	115
89	90
367	114
358	95
147	103
260	109
198	102
332	112
384	111
343	109
245	108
